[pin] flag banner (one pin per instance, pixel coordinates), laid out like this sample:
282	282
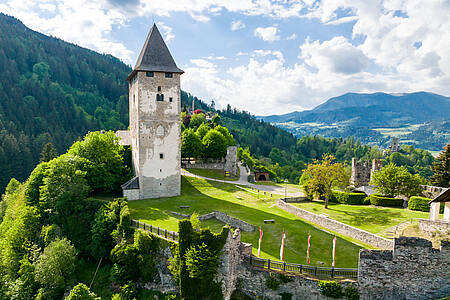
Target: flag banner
307	251
334	250
260	239
282	246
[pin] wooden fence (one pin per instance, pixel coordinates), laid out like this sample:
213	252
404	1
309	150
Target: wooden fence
161	232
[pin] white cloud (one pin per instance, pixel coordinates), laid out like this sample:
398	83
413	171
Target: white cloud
291	37
336	55
168	32
268	34
237	25
83	22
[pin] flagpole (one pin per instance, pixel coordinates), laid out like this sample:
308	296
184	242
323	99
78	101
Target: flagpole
334	250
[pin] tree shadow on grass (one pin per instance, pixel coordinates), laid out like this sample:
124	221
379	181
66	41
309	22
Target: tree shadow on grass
207	196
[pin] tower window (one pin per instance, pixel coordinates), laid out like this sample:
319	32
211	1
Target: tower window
160	170
159	97
170	99
169	75
159	89
162	97
161	155
149	74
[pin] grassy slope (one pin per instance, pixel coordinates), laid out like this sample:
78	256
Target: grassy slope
370	218
205	196
216	174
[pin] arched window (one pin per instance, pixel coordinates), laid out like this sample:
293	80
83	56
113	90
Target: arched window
162	97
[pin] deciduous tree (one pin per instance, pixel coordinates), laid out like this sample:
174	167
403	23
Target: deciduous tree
324	175
392	181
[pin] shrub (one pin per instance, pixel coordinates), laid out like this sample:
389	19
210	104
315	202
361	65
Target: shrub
286	296
419	203
351	292
81	292
379	200
272	282
348	198
366	201
330	289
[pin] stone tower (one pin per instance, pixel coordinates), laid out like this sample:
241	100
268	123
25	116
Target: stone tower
155	132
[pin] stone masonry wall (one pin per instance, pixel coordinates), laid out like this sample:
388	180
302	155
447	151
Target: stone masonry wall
362	171
233	222
413	270
432	227
236	273
203	165
231	160
353	232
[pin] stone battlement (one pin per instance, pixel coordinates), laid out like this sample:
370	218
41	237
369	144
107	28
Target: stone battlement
413	270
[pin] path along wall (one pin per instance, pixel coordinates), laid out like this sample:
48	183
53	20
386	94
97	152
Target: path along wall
353	232
413	270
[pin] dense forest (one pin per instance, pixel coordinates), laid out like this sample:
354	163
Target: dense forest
55	92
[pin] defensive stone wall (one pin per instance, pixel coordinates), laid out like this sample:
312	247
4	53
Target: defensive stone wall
233	222
413	270
432	227
231	160
431	191
353	232
294	199
228	164
204	165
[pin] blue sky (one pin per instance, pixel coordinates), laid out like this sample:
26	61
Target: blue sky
267	57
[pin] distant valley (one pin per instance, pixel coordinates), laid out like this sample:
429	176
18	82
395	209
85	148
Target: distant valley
421	119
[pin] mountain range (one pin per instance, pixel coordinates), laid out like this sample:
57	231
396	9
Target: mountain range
420	118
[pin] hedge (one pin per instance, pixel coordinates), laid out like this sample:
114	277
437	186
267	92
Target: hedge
348	198
419	203
379	200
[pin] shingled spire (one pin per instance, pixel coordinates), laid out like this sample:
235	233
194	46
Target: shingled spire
155	55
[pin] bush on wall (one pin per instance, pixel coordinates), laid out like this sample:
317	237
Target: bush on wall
330	289
196	261
379	200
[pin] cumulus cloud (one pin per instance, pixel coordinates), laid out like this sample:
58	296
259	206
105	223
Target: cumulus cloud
336	55
237	25
268	34
291	37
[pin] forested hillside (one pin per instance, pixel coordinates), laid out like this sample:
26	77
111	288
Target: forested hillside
52	91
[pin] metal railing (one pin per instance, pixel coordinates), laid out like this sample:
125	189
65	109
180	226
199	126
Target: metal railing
322	272
161	232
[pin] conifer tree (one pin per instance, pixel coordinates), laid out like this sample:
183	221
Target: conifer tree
48	152
441	168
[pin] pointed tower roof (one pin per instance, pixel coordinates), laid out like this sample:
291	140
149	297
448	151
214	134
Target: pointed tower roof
155	56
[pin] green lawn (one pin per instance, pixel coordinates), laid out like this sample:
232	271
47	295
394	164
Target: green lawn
367	217
209	173
205	196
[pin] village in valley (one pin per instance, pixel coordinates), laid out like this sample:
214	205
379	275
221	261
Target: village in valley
183	200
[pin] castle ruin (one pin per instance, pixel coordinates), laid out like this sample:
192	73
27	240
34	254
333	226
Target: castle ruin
362	171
